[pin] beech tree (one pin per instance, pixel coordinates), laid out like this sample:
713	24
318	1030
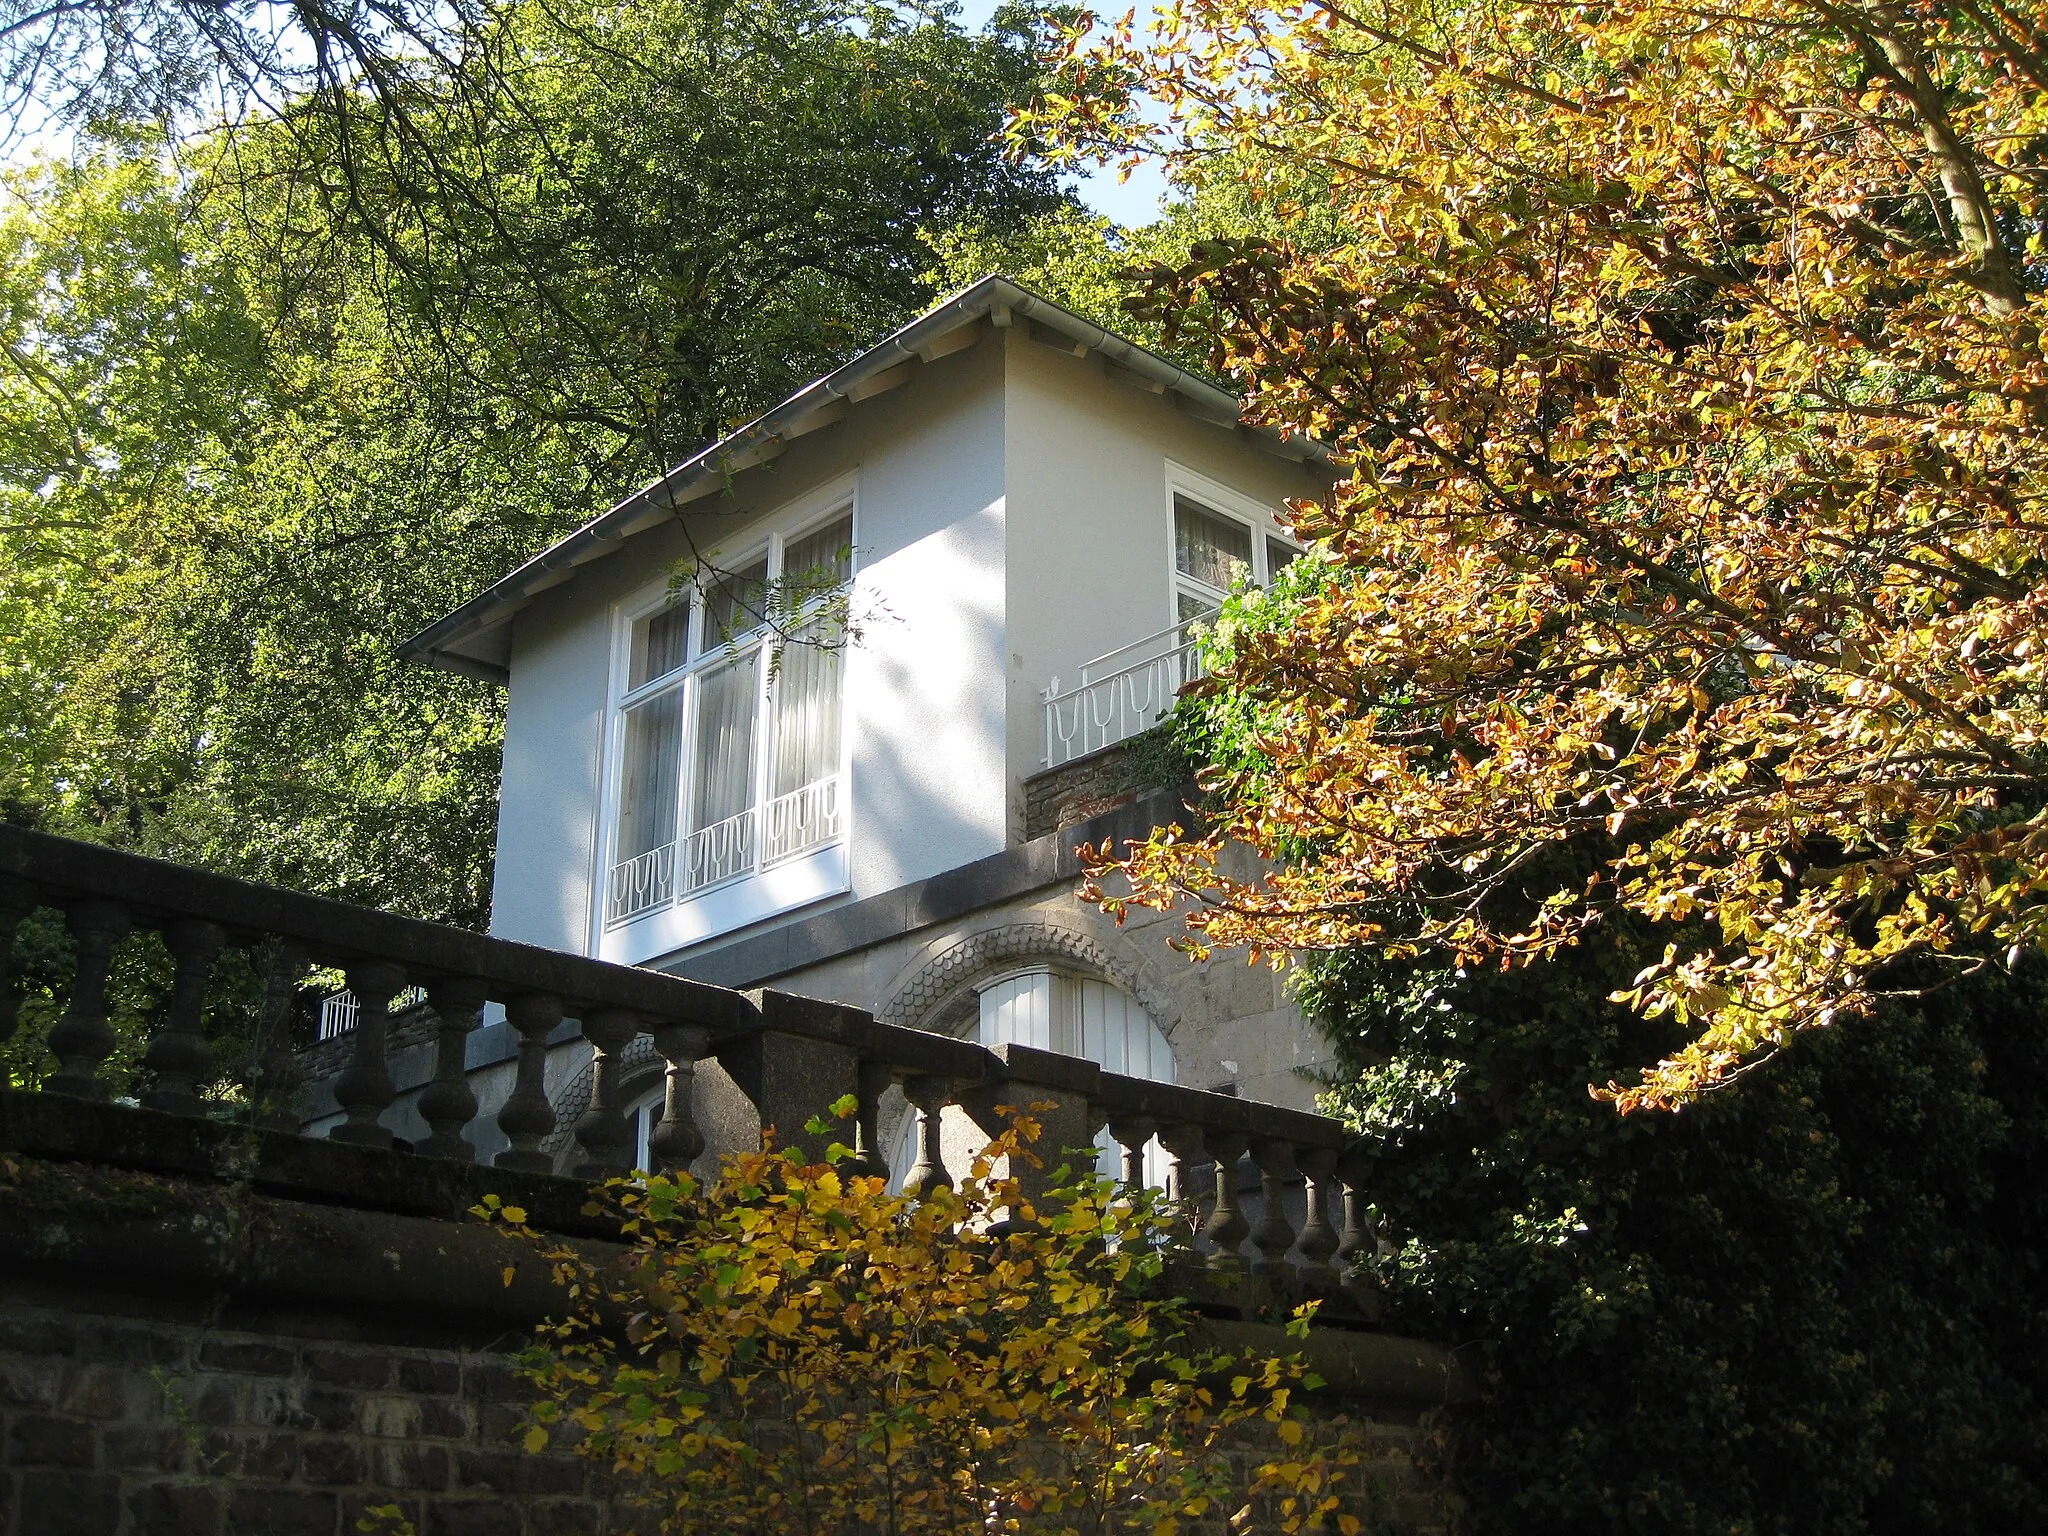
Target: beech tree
1686	365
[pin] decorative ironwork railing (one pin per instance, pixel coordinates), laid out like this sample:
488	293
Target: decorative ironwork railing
641	884
719	851
1256	1181
340	1011
1121	692
801	820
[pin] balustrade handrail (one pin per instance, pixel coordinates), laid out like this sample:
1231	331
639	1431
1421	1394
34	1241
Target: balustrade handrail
1167	639
790	1055
1106	707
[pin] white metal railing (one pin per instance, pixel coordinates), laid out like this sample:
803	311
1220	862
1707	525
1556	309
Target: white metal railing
719	851
640	884
803	819
1121	693
340	1011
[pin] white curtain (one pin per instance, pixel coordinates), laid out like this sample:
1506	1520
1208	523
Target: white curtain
1215	551
722	770
660	643
821	559
647	789
807	694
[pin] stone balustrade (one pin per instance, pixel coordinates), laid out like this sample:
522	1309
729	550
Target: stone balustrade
1257	1183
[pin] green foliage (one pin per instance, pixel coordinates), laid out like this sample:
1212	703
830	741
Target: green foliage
1814	1303
274	398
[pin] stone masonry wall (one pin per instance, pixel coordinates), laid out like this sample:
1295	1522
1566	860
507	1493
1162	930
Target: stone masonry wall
1060	797
124	1427
212	1331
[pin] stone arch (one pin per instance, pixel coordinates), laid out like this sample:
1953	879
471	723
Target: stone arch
938	994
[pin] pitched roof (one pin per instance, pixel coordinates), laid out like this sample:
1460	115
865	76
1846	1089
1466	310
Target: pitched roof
472	639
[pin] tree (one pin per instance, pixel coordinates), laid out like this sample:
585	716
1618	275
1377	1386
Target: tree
1813	1306
276	395
792	1349
1687	363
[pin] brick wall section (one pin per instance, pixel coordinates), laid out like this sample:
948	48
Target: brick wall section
116	1427
1061	797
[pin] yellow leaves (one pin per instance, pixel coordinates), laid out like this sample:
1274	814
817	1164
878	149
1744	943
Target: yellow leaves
1744	575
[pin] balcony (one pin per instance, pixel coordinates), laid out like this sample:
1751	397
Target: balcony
1121	692
800	822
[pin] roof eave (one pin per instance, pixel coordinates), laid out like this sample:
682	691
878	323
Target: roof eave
992	296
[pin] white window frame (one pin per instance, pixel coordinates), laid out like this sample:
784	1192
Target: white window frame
1261	519
764	887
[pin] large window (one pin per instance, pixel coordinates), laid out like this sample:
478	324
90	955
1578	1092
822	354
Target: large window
1213	551
729	731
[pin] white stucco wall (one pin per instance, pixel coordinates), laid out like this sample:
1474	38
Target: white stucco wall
1091	520
554	712
924	685
1013	522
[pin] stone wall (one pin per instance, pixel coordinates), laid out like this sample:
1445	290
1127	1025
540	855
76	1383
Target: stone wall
1075	792
123	1426
210	1331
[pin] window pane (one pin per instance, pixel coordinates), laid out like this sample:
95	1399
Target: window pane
659	641
807	692
734	604
819	560
1193	606
722	770
1213	550
647	787
1018	1011
1278	557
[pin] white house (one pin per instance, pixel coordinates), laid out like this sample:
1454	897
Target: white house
1021	509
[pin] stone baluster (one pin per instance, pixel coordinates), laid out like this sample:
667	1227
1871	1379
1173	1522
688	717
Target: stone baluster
1274	1234
601	1130
677	1142
1355	1246
527	1116
448	1103
278	1073
1318	1239
1133	1133
1184	1143
928	1096
17	901
1358	1246
874	1078
83	1039
178	1055
365	1089
1226	1227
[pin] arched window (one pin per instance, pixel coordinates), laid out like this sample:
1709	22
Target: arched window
1078	1016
